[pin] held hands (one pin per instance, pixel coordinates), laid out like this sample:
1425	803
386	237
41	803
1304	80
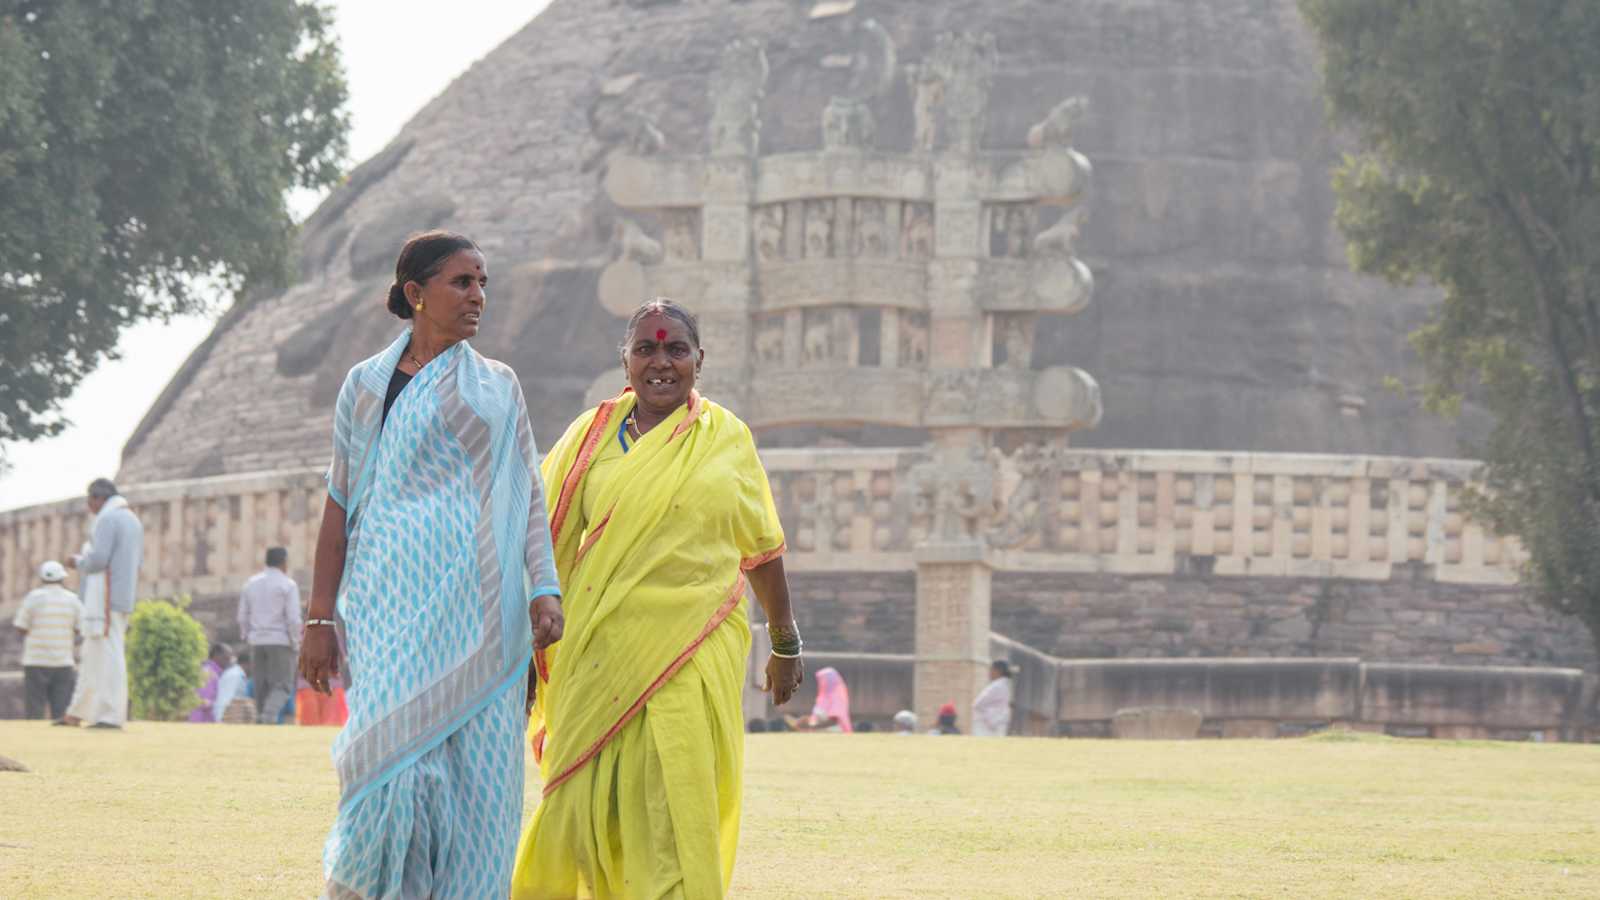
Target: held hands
544	613
319	657
784	677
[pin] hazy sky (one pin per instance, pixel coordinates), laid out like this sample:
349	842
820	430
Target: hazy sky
398	55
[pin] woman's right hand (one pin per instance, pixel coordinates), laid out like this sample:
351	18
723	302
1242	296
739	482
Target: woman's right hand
319	657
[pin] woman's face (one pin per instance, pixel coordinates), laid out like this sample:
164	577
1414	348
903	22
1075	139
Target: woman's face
661	360
451	302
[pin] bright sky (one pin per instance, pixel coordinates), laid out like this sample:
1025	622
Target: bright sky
398	55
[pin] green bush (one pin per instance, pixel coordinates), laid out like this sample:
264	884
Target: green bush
165	649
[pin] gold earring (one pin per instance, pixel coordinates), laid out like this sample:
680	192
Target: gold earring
419	306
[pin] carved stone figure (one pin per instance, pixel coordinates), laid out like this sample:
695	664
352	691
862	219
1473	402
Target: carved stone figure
817	339
1010	227
828	336
680	233
913	339
1055	129
916	235
769	232
847	121
1060	240
1013	337
955	494
769	339
636	245
1019	229
927	94
736	91
1026	478
819	229
871	235
964	65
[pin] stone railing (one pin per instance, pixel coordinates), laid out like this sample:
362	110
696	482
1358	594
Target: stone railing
1037	509
202	536
1052	509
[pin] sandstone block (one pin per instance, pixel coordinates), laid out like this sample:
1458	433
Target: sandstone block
1156	723
1256	729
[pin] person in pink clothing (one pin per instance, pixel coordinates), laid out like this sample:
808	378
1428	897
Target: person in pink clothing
832	709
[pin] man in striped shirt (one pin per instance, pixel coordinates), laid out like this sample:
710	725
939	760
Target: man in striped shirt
49	619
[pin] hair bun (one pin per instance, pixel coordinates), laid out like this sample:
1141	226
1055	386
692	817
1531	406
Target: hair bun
397	301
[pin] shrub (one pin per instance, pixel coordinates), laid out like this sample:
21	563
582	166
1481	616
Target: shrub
165	649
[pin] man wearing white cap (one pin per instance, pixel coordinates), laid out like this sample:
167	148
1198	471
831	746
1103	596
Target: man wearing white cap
48	619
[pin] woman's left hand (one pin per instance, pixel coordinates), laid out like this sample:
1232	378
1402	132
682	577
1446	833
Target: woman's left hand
784	677
545	615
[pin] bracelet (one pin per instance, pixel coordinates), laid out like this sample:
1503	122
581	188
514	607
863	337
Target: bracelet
786	642
327	622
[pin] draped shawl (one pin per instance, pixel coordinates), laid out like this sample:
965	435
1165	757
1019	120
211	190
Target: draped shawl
687	511
446	542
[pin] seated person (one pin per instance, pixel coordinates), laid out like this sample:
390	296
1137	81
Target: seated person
832	709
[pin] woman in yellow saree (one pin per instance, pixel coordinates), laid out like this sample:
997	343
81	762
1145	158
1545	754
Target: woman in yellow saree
662	518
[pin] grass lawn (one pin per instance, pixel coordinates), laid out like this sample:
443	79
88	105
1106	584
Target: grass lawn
240	811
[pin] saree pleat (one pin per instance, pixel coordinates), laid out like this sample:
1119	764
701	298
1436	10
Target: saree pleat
638	727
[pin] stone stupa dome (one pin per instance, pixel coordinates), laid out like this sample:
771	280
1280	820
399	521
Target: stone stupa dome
1224	314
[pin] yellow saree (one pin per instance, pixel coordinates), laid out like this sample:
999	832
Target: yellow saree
637	726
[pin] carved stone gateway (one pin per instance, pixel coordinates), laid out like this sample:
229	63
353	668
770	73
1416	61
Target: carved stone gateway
853	285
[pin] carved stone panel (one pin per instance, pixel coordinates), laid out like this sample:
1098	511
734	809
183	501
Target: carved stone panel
871	231
916	231
735	93
819	229
913	328
769	339
830	337
769	233
1013	340
1010	229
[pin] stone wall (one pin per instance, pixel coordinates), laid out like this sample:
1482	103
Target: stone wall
861	612
1259	698
1408	618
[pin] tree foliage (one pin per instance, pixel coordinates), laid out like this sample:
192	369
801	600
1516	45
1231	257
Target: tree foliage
1481	123
146	147
165	649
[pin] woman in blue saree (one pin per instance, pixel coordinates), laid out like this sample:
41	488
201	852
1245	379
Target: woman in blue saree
434	582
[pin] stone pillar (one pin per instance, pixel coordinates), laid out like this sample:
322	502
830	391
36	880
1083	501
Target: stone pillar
952	649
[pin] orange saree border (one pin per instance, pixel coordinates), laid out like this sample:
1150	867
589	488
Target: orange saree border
594	535
678	662
762	559
586	453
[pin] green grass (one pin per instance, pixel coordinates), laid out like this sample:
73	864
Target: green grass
239	811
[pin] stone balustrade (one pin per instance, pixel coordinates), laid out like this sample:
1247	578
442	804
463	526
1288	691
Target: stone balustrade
1052	509
202	536
1038	509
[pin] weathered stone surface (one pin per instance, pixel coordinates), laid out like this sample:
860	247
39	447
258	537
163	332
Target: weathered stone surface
1098	615
1224	314
1157	723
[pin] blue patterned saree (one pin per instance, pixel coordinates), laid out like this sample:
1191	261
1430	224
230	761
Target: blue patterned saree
446	542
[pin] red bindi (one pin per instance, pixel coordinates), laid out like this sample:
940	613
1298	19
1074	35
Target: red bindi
661	334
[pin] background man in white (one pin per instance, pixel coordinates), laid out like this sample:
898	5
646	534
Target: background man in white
269	621
110	568
991	711
48	619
